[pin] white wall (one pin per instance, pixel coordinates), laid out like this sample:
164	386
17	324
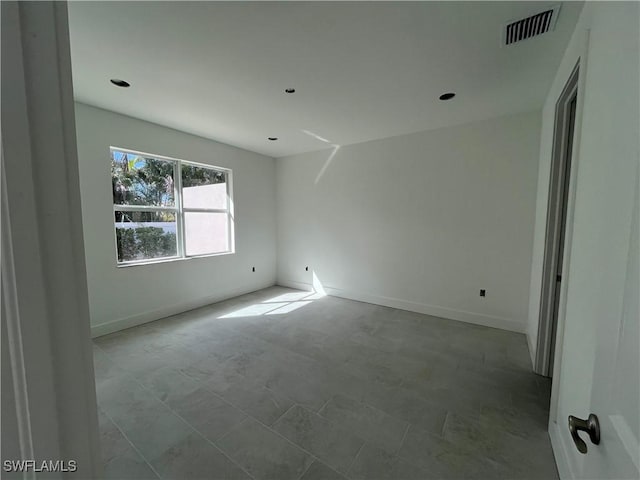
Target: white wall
122	297
420	221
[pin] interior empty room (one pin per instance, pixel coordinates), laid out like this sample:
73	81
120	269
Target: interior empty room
320	240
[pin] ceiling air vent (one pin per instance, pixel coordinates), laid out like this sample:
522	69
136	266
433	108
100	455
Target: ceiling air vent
531	26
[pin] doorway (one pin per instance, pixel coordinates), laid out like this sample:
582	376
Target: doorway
556	224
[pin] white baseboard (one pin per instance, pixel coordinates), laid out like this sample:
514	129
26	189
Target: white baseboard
434	310
560	452
306	287
146	317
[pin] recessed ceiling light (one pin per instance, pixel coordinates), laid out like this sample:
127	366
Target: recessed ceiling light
120	83
447	96
290	90
273	139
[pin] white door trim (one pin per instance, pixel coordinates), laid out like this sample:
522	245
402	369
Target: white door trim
560	453
582	58
12	329
557	223
44	285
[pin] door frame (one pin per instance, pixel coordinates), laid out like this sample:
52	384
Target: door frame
579	56
547	341
47	375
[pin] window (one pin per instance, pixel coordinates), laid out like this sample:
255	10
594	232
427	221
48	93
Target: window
167	209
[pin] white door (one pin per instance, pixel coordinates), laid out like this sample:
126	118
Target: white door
600	360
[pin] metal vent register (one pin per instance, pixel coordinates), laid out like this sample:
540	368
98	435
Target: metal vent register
531	26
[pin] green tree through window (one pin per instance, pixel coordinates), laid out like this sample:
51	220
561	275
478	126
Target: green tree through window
148	218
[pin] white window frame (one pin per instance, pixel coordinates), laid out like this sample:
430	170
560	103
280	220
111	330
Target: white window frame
178	210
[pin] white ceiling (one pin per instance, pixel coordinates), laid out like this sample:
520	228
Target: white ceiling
361	70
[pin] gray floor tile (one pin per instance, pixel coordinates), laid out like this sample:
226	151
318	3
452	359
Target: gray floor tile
375	426
167	383
153	430
373	463
128	466
139	362
446	460
319	471
425	412
295	337
261	403
462	398
520	461
117	396
214	373
433	373
469	435
329	349
104	368
504	438
210	368
124	341
112	443
207	413
367	368
281	359
329	442
150	425
197	459
515	420
299	388
263	453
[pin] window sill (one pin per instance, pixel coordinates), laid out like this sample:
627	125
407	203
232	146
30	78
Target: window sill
170	259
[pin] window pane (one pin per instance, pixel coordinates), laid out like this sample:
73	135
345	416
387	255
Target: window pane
145	235
206	233
203	187
139	180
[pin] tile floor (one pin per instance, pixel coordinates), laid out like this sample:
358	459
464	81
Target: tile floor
280	384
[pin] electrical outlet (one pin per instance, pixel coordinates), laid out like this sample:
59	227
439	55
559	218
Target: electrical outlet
253	269
483	292
306	269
